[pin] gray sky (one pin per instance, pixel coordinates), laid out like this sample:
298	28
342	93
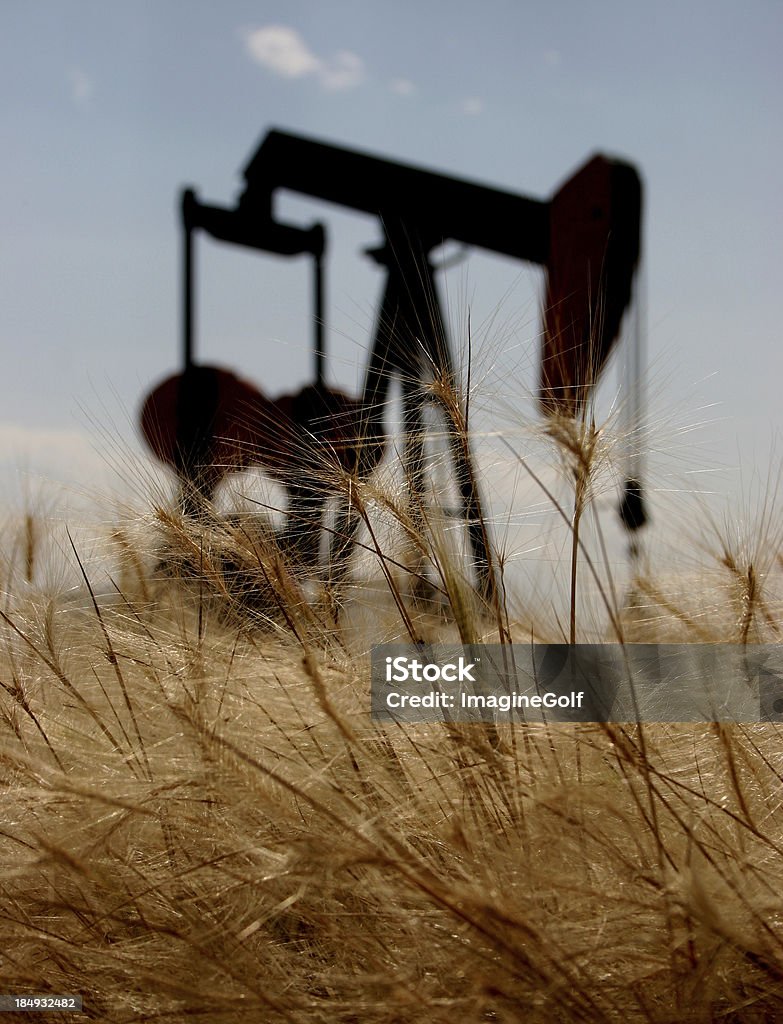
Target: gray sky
109	108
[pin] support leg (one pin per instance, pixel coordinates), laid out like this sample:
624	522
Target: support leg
304	520
340	551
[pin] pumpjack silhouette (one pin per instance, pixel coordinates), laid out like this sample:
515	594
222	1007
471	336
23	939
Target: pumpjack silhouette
205	422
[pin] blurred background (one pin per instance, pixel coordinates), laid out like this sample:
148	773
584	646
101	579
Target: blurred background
108	110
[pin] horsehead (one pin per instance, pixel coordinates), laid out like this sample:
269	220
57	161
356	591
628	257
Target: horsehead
206	422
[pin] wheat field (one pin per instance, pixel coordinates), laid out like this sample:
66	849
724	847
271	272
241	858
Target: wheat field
201	821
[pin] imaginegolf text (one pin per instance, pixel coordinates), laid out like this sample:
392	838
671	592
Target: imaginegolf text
480	701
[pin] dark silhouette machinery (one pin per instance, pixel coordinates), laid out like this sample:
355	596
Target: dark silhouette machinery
205	422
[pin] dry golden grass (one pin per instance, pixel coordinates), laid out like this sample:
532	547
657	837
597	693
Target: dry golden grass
200	820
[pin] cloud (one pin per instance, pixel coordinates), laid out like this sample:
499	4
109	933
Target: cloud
402	86
344	71
553	58
472	106
82	86
281	50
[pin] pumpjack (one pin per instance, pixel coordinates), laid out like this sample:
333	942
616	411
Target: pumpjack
205	421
